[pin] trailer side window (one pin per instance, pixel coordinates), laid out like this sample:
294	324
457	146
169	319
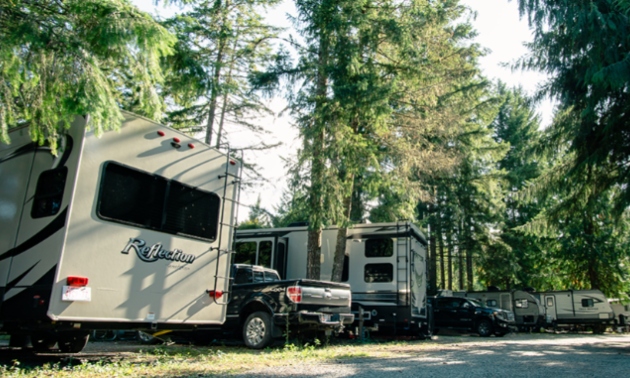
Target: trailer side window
379	248
49	193
264	253
150	201
521	303
491	303
190	211
549	302
588	302
245	253
379	272
131	196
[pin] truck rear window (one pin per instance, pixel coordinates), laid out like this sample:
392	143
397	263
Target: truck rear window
151	201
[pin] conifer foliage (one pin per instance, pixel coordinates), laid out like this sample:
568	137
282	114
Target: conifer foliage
62	58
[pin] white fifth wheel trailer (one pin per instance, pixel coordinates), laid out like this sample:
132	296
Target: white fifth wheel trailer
577	308
129	230
529	313
385	265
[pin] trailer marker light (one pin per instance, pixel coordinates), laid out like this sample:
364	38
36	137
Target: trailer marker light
232	162
161	133
294	293
76	281
176	140
190	145
215	294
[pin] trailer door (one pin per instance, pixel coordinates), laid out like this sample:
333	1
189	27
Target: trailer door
506	301
550	308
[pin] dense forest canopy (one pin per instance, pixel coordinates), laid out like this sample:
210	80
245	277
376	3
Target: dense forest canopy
395	118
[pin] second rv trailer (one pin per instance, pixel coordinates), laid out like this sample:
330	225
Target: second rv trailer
385	265
129	230
577	308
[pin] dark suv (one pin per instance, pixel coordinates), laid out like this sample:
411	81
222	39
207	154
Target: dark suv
470	315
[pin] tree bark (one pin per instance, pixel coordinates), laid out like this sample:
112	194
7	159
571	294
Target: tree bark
216	76
449	251
313	268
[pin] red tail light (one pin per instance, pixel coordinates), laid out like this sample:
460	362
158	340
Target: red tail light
215	294
295	294
76	281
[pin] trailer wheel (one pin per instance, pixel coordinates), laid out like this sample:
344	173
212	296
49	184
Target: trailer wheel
72	342
43	341
484	328
257	330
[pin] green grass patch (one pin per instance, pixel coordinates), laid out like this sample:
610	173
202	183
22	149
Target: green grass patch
184	361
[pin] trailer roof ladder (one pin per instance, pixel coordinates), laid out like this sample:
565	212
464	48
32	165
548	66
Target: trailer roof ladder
230	224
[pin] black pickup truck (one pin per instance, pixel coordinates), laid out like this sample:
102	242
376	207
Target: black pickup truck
470	315
262	307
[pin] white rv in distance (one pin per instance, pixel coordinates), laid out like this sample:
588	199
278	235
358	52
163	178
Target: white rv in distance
576	309
129	230
385	265
529	313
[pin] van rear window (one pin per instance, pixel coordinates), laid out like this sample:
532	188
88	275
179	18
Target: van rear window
150	201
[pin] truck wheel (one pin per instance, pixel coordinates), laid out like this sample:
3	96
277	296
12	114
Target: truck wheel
72	342
43	341
257	330
484	328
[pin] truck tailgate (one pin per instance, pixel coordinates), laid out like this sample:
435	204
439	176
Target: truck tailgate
325	295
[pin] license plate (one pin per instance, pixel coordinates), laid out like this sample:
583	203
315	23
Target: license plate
76	294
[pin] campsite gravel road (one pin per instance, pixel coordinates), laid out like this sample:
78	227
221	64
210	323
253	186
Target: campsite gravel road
515	355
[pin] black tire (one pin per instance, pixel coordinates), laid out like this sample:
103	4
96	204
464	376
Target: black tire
72	342
436	331
257	330
484	328
43	341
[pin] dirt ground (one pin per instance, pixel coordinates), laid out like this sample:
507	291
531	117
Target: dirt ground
450	355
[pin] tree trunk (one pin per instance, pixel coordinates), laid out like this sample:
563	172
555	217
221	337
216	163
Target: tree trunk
442	262
432	289
340	254
449	257
340	245
461	266
226	97
317	168
314	247
214	93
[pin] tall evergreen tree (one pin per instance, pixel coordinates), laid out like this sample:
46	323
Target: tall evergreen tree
518	260
585	48
220	45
